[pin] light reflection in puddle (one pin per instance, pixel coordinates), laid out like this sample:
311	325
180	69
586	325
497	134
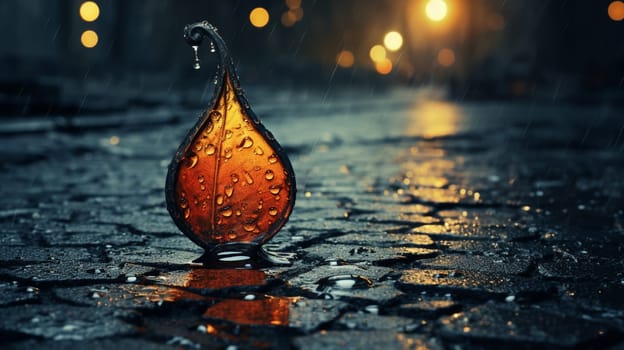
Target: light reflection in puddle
262	311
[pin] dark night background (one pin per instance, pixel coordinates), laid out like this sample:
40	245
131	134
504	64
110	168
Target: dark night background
546	50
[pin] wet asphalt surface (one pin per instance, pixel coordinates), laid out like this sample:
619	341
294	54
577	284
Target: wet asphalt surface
419	223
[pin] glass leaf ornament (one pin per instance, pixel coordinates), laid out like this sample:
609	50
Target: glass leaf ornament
230	186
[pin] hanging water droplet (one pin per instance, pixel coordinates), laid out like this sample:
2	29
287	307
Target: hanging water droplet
272	211
272	159
196	64
269	175
229	190
248	177
219	199
210	149
246	142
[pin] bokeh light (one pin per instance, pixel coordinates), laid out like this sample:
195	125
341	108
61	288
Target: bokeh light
89	39
259	17
377	53
289	19
436	10
393	41
89	11
616	10
446	57
293	4
345	59
383	66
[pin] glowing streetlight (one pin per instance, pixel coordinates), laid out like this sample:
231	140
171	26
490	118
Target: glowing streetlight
436	10
259	17
393	41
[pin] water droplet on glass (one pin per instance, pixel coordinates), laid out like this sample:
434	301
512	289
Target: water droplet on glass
212	47
229	190
249	226
232	235
202	187
269	175
215	115
226	211
248	177
227	153
272	159
219	199
200	178
272	211
234	178
210	149
192	160
228	134
131	279
246	142
260	204
238	212
187	213
198	146
275	189
183	203
258	151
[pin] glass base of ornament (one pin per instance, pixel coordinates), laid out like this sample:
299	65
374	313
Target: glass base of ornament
244	255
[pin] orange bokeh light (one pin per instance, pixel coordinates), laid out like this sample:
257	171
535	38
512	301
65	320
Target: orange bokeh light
446	57
259	17
383	66
345	59
616	10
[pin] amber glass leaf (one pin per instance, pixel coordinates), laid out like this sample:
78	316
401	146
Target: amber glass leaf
231	181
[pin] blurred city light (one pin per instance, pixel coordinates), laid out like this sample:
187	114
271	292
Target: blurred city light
259	17
89	11
289	19
616	10
383	66
345	59
436	10
446	57
393	41
377	53
89	39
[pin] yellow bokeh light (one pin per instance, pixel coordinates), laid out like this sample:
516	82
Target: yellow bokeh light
377	53
345	59
436	10
393	41
616	10
89	39
259	17
383	66
89	11
446	57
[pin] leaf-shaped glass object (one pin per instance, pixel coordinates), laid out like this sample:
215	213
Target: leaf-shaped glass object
230	186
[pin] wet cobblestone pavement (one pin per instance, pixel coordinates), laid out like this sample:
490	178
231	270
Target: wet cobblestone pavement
418	224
